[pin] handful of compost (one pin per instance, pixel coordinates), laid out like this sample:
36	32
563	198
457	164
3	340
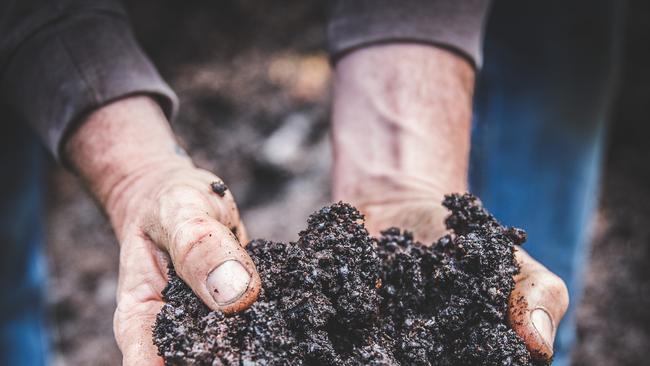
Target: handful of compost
339	297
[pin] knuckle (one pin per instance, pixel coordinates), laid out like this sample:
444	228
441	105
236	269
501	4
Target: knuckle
563	294
176	202
131	317
117	331
556	284
188	237
175	192
199	242
118	324
557	290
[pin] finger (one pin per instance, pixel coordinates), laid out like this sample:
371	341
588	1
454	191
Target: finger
214	264
205	253
138	302
537	305
136	326
223	203
242	234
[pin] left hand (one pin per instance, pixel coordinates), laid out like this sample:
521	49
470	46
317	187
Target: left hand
539	299
537	305
401	134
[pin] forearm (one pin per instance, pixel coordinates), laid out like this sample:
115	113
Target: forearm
82	55
118	143
401	125
401	134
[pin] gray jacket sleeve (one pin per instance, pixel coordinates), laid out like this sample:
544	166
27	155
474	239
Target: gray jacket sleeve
453	24
60	59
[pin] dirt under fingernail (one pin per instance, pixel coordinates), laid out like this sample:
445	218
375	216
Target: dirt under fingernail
339	297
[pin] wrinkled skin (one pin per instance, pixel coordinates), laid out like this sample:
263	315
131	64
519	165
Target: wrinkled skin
129	159
194	235
401	140
162	208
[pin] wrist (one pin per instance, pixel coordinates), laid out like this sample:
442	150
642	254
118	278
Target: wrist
368	182
130	197
407	200
120	144
401	132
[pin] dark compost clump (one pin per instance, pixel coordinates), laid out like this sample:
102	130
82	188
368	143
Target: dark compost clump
339	297
219	188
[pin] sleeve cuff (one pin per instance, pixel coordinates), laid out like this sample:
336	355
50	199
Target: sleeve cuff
75	66
453	24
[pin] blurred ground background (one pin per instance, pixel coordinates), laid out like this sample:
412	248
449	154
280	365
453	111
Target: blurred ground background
253	79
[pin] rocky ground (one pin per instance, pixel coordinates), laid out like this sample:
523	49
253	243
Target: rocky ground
253	80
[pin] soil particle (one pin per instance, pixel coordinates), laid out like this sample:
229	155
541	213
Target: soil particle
339	297
219	188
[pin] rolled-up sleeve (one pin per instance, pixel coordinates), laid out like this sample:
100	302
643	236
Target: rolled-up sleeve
453	24
59	60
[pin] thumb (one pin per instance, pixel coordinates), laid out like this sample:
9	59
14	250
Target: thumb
205	253
537	305
208	257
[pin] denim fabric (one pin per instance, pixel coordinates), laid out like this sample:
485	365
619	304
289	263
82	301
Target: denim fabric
540	109
22	264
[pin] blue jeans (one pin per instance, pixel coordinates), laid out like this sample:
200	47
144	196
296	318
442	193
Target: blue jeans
541	103
22	264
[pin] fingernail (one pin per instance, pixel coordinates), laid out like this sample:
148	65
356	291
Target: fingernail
228	282
543	325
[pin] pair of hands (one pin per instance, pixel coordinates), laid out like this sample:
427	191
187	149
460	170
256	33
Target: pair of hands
391	131
175	215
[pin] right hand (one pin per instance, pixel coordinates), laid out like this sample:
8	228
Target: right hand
162	208
173	213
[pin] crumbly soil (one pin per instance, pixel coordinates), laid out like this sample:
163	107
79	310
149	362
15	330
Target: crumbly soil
339	297
219	188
